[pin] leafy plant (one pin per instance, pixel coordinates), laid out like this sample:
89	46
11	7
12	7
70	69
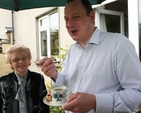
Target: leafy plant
53	109
49	84
62	57
56	109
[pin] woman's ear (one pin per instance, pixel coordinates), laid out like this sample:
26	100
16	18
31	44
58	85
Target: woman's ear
10	65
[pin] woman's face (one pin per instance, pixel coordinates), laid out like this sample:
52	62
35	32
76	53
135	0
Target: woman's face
79	25
20	62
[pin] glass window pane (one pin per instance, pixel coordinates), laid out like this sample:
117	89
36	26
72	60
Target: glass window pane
43	22
54	34
43	35
109	23
49	41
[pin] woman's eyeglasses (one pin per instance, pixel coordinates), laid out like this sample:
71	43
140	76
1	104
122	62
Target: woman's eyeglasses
16	60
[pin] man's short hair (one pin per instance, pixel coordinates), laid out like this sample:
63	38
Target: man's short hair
86	4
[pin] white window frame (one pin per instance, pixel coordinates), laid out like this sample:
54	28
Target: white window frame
47	28
110	12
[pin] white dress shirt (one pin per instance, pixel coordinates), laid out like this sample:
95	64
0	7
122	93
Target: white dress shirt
108	68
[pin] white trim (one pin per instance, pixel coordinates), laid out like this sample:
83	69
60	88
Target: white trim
103	3
110	12
47	28
133	23
41	28
48	37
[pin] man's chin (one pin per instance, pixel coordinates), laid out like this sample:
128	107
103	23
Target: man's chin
75	38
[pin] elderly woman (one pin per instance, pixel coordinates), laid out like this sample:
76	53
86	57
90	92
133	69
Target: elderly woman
22	90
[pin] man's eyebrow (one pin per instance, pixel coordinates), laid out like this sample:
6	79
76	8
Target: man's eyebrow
76	13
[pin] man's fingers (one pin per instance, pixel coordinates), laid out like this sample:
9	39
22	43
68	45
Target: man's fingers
41	62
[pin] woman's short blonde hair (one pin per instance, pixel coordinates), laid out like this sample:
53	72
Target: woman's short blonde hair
17	47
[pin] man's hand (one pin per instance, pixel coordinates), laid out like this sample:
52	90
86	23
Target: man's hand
80	103
48	67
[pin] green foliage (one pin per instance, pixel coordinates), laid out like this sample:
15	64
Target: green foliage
63	52
54	43
56	110
49	85
61	57
53	109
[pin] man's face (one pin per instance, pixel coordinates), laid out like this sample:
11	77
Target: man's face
78	23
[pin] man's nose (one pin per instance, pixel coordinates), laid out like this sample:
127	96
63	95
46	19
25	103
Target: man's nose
69	23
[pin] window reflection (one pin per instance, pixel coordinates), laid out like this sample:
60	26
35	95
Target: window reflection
110	23
43	22
43	43
54	34
48	35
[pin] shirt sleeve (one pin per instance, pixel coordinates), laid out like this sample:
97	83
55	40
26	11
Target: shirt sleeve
60	79
105	102
128	71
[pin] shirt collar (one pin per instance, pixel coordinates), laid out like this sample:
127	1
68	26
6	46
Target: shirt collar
95	38
20	78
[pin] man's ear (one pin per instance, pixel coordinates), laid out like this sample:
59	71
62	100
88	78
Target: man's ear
92	16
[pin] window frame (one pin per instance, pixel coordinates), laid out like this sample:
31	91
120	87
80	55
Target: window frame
47	29
110	12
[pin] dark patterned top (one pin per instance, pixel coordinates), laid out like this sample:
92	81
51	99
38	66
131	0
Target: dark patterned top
35	91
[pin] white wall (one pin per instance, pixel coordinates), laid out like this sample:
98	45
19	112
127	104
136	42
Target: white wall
133	23
139	5
5	21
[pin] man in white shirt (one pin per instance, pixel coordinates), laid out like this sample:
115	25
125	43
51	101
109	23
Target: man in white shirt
102	69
